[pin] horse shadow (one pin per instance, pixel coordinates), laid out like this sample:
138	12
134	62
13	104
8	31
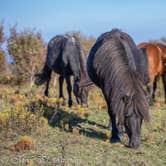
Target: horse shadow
61	119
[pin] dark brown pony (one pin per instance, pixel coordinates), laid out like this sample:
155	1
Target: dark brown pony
156	60
66	57
116	66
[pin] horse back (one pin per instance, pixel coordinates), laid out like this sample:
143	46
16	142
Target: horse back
63	55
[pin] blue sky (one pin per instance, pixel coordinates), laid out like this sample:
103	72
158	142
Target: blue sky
144	19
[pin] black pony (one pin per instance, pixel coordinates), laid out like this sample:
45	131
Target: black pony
66	57
120	69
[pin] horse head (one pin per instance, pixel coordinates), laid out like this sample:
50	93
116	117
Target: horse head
133	117
39	80
81	90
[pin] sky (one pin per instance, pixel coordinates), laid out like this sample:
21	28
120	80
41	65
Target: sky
144	20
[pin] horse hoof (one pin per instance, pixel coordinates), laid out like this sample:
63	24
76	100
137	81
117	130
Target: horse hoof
70	103
46	93
115	140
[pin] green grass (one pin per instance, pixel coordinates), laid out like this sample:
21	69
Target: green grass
90	146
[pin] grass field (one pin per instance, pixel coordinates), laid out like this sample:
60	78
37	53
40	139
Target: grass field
78	136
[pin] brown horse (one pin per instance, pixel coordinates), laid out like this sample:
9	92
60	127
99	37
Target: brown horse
157	60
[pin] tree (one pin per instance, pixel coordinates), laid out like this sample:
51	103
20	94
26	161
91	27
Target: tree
28	51
2	36
2	53
2	61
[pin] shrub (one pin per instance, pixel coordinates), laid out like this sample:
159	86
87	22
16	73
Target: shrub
23	143
18	120
26	48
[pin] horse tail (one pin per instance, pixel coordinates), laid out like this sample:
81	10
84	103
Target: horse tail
129	54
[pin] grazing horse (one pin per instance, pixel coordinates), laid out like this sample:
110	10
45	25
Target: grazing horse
156	59
66	57
118	68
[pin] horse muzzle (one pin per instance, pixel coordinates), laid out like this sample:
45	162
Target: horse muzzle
135	142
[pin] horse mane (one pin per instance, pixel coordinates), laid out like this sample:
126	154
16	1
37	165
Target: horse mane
125	80
122	37
82	59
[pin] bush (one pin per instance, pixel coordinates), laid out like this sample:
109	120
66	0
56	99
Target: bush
6	79
2	53
18	120
23	143
26	48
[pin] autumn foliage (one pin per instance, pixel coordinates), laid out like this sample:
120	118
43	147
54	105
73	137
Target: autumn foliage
28	51
2	53
24	143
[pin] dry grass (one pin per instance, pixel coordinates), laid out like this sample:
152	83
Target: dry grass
78	136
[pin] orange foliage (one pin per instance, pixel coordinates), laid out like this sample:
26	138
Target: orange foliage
25	143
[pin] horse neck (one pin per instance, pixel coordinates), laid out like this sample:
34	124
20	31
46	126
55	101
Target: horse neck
84	75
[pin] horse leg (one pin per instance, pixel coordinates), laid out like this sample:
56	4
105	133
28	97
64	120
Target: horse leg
150	90
47	83
116	132
164	84
61	80
69	89
47	87
154	89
